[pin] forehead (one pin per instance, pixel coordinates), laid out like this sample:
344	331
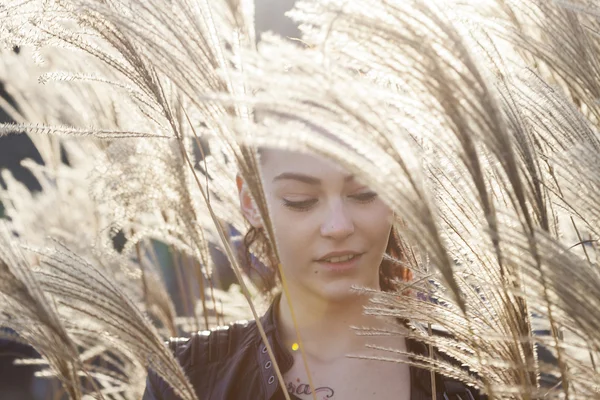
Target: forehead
276	161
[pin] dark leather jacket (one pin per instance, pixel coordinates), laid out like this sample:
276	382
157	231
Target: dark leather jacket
232	363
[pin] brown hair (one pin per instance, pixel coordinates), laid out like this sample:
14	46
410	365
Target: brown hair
389	269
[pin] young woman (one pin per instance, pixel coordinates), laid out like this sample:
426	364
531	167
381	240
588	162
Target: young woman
332	232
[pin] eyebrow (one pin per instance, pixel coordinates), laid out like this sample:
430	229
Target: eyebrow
311	180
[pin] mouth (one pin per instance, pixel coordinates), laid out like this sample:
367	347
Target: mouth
341	263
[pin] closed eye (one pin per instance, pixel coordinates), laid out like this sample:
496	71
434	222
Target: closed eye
305	205
365	197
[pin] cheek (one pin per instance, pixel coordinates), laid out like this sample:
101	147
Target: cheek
376	223
291	232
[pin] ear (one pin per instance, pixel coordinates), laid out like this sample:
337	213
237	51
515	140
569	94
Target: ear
249	208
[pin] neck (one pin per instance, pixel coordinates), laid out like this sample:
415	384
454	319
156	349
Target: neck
325	326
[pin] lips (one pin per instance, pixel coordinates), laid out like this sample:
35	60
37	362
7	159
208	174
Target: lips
340	258
343	253
341	266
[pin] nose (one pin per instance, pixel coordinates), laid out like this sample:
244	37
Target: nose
338	223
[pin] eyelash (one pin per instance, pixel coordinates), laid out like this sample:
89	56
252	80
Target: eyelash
305	205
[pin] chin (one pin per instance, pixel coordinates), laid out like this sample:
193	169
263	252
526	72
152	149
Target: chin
341	290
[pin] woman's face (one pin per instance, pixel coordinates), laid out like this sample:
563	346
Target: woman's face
318	208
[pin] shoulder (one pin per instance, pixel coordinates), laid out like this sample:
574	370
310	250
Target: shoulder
215	345
199	351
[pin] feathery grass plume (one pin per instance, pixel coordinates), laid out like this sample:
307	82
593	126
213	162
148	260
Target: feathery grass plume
27	310
108	324
562	38
76	213
128	68
76	220
249	168
76	104
79	286
170	58
566	144
149	191
8	129
558	130
474	158
214	76
482	165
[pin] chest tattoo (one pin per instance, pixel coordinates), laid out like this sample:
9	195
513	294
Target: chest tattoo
300	388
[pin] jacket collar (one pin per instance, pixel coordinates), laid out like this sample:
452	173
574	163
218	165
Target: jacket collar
420	378
284	358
